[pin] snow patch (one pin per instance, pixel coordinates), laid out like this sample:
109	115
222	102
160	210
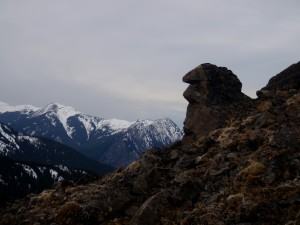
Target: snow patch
114	124
88	123
63	168
10	138
29	171
32	140
54	174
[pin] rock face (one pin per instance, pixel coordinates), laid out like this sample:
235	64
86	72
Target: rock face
246	172
215	96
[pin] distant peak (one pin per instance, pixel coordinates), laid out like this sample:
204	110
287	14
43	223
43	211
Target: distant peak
55	105
61	112
5	107
144	122
57	108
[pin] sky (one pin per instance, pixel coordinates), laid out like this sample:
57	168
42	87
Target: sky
125	58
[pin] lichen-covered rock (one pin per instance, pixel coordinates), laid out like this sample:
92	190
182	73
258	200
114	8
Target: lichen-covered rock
242	172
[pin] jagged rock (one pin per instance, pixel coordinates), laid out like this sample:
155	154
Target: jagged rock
215	96
246	172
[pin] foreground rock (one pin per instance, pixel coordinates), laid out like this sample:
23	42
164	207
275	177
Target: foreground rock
215	98
241	172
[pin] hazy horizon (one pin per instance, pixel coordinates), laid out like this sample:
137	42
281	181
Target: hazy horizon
126	59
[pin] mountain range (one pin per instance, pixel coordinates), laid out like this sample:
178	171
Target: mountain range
113	142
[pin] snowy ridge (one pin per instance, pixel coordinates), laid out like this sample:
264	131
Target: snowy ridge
63	113
4	107
114	125
88	123
92	124
58	113
148	133
29	171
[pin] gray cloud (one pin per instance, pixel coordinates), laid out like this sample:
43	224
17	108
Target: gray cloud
125	59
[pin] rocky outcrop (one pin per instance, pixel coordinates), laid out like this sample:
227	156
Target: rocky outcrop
246	172
215	98
287	80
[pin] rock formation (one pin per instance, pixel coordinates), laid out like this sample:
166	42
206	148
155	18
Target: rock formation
215	98
242	172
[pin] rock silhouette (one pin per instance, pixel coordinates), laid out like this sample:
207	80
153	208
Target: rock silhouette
241	169
215	96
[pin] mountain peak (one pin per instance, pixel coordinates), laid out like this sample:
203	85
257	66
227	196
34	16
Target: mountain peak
57	108
61	112
4	107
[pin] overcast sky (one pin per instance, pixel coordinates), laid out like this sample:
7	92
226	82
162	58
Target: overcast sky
125	58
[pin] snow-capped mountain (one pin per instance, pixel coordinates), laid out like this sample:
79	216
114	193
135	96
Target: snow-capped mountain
125	146
43	151
112	141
